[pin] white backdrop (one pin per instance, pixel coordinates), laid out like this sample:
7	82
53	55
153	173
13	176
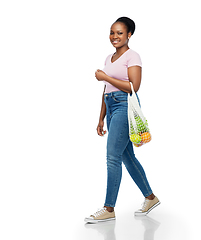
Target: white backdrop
52	163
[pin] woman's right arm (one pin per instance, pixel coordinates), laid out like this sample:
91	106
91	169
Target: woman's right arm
99	129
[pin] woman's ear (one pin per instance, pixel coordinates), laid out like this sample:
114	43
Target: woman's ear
129	35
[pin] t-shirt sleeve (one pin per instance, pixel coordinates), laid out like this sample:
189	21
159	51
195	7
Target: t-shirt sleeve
134	59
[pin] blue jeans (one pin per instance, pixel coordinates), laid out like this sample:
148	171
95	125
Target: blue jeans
120	148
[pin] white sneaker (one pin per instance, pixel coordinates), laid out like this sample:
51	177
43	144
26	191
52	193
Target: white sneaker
101	215
147	206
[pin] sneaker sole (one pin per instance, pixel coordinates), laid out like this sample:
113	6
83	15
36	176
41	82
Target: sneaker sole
145	213
99	220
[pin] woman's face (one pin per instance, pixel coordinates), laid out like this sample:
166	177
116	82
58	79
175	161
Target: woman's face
118	35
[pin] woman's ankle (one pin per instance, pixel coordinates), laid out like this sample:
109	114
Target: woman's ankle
151	197
109	209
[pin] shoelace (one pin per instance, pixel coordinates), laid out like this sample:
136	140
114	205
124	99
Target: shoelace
99	212
144	205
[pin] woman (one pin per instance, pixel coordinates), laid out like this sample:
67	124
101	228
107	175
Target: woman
122	67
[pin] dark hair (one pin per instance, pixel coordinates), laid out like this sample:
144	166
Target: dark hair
129	24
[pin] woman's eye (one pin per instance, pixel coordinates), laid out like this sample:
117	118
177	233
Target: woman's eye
119	33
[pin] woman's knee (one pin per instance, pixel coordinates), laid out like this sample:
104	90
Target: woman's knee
114	160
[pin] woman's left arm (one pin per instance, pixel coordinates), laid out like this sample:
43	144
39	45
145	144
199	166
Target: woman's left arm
134	75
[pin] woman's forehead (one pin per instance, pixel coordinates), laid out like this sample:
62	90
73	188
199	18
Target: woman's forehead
118	26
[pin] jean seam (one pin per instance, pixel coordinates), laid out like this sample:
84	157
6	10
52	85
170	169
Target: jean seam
113	200
140	174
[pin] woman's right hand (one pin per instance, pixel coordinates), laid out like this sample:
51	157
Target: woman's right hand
99	128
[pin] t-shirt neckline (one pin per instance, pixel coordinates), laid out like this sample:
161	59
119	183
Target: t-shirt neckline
118	57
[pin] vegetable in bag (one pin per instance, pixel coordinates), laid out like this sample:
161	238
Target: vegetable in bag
138	127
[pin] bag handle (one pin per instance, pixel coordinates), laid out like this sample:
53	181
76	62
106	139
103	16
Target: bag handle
132	89
134	97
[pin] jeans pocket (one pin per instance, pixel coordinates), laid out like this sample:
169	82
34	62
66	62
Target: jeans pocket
120	98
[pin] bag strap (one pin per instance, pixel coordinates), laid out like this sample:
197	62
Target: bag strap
132	89
133	104
134	98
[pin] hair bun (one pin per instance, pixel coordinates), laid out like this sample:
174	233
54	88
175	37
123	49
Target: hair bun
130	24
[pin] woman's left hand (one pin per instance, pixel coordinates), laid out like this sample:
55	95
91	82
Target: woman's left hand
100	75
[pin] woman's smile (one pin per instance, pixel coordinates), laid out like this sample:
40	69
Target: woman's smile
115	42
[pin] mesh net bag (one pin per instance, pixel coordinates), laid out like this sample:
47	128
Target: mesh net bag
138	127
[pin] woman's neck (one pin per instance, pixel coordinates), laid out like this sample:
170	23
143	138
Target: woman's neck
120	51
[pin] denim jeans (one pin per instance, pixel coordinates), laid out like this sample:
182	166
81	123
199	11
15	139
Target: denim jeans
120	149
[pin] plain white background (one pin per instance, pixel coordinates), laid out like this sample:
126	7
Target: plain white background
52	163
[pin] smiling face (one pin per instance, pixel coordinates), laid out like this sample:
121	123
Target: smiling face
118	35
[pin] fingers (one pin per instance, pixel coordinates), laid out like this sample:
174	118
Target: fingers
96	74
100	131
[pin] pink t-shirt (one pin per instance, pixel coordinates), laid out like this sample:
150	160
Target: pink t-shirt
119	68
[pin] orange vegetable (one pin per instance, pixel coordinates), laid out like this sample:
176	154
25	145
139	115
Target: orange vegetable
146	137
